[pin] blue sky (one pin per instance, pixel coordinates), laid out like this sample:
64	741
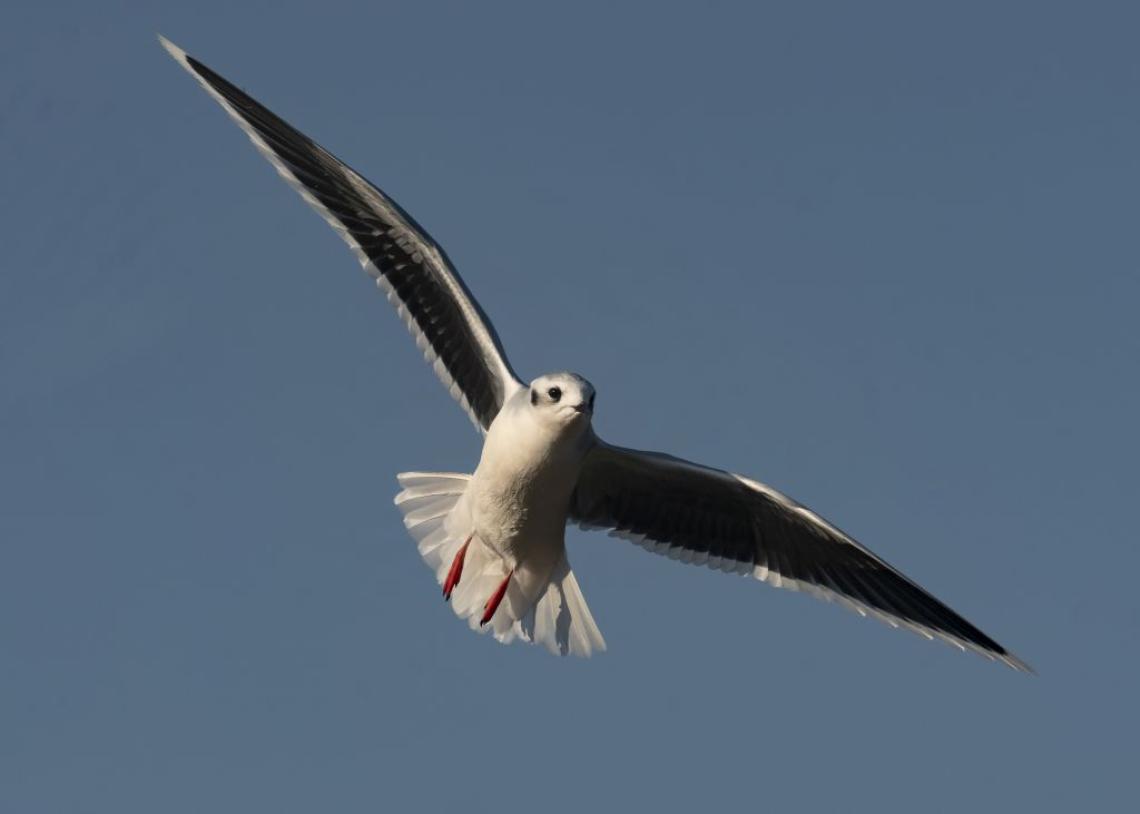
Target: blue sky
883	257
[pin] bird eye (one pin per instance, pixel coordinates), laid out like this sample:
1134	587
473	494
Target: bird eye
592	395
555	393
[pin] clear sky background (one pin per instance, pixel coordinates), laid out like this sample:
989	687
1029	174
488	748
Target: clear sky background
884	257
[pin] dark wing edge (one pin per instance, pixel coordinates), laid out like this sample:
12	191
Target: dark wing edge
415	274
727	522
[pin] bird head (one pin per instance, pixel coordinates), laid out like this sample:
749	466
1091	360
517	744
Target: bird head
564	400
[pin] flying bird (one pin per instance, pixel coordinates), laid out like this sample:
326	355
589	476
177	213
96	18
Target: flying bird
495	539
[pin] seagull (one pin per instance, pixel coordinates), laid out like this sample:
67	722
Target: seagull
495	539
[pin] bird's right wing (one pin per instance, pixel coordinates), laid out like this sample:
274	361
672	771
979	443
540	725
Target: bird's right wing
710	517
448	325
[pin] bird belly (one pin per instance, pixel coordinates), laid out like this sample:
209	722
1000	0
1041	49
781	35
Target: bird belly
516	517
521	516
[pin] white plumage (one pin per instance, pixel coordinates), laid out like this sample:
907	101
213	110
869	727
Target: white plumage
556	617
495	539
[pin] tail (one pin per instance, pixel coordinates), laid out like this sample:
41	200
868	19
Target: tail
560	620
542	608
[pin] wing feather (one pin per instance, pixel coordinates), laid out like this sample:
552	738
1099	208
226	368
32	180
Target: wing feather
412	269
703	515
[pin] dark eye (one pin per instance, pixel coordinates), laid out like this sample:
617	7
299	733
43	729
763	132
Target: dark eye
555	393
592	395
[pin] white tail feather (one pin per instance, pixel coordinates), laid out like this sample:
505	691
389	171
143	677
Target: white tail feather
560	620
555	616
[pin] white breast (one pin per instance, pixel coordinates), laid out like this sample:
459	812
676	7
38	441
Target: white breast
520	492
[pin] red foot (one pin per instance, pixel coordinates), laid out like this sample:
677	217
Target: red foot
496	598
455	572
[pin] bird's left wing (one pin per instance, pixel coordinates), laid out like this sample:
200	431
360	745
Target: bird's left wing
710	517
446	321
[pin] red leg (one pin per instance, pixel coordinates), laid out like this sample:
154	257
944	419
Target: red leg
455	572
496	598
